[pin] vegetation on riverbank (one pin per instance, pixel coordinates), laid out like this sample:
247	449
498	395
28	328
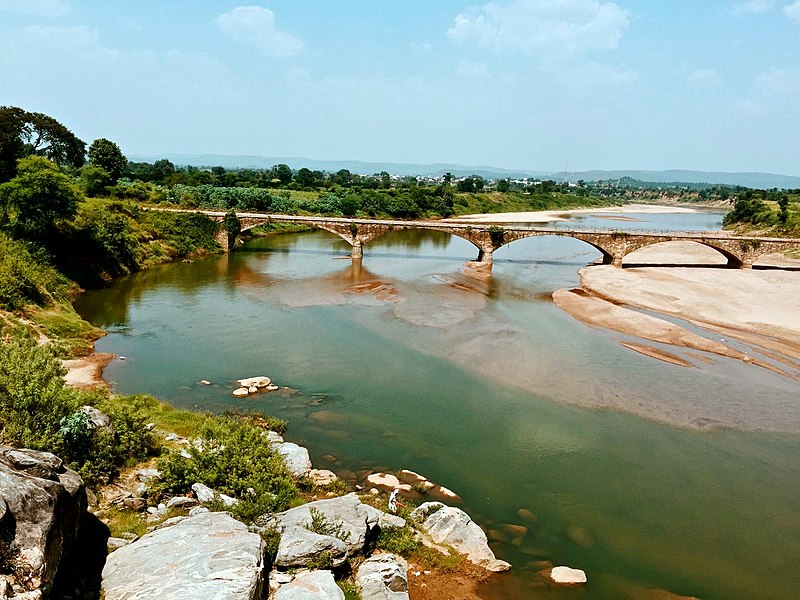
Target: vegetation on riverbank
764	212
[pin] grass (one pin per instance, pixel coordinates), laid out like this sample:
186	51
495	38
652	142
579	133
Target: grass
60	322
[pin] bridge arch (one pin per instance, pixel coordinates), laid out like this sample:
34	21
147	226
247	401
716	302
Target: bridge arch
686	253
608	257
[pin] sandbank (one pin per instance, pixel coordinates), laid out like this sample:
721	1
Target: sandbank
86	373
548	216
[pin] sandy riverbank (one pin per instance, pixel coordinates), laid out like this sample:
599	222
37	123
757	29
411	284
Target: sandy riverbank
752	316
86	373
549	216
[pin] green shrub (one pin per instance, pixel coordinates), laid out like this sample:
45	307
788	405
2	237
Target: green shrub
398	540
26	277
233	458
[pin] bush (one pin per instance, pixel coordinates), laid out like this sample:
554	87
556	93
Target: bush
398	540
233	458
26	277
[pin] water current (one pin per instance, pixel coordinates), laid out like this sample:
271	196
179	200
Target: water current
486	387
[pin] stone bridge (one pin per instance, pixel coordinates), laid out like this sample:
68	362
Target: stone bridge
614	245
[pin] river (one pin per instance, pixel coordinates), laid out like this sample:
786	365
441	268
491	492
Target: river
486	387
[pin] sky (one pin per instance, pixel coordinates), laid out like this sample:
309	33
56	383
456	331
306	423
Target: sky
521	84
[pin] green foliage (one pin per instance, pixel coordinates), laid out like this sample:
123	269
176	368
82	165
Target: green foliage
749	208
95	180
33	398
26	277
25	133
233	458
321	525
36	198
398	540
232	225
350	589
497	235
106	154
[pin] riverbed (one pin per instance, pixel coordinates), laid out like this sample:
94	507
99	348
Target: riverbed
488	388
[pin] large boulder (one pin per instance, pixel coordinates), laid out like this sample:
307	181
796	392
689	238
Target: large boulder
300	547
310	585
451	526
345	517
42	504
383	577
296	458
211	555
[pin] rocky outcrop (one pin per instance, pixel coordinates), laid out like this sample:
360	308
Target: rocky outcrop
383	577
210	555
385	519
345	514
42	504
310	585
206	494
451	526
300	547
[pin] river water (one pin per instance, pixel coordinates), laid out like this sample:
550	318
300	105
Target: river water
534	419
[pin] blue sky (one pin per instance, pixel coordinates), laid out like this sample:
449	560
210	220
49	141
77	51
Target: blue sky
527	84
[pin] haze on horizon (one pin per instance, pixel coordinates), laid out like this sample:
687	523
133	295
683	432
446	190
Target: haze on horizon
518	84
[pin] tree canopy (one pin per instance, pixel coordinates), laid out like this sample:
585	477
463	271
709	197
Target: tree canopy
38	196
24	133
106	154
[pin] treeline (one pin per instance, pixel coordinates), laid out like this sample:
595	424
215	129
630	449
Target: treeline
775	210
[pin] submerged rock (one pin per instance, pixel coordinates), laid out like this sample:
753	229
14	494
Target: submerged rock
210	555
383	577
42	504
567	576
451	526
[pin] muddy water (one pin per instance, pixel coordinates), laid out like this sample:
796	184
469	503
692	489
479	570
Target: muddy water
608	458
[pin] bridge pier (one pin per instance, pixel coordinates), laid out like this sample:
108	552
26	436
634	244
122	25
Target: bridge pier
358	250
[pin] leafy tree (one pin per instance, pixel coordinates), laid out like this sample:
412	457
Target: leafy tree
503	185
783	204
95	180
284	173
305	177
38	196
24	133
163	169
106	154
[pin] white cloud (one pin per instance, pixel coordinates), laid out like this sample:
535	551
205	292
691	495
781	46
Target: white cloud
472	69
752	7
704	78
256	25
553	28
779	81
46	8
793	10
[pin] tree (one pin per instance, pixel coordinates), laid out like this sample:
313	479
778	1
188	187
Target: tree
24	133
283	172
38	196
163	169
783	204
305	177
106	154
503	185
95	180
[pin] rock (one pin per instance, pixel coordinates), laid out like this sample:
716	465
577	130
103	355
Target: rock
300	547
296	458
210	555
415	479
387	481
116	543
310	585
181	502
322	477
150	427
198	510
241	392
148	475
134	504
385	519
206	494
383	577
567	576
174	437
346	512
41	507
98	419
451	526
252	389
205	382
129	536
273	437
256	382
272	388
140	490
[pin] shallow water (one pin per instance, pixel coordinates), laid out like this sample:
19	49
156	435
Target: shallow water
489	389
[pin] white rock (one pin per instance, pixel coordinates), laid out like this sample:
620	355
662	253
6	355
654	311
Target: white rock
148	475
241	392
300	547
310	585
385	519
383	577
206	494
387	481
273	437
271	388
322	477
567	576
198	510
256	382
451	526
181	502
296	458
252	389
205	382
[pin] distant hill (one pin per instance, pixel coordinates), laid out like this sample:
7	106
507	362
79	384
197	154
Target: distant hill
754	180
